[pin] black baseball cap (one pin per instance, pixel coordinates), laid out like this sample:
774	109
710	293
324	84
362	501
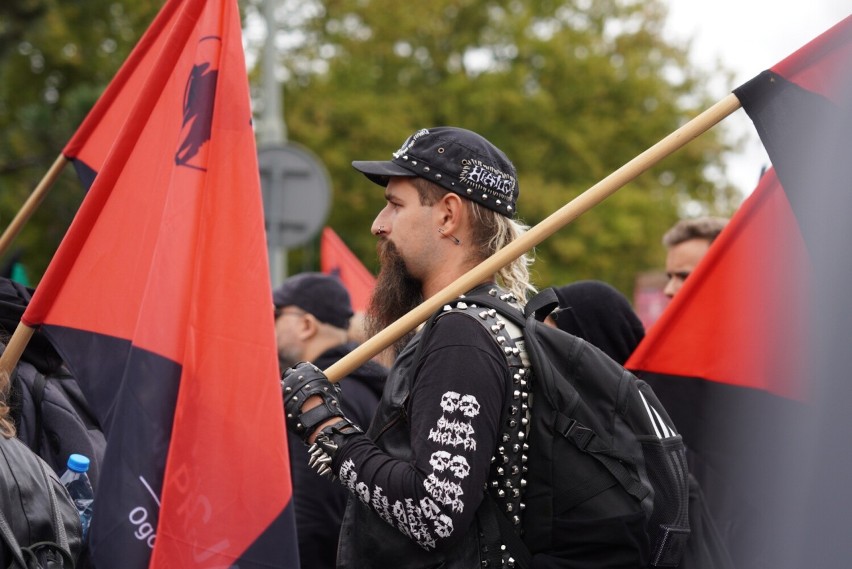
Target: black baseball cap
319	294
459	160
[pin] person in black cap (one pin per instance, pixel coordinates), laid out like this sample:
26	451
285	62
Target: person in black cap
446	451
312	312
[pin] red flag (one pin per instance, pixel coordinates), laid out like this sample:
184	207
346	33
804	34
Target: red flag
90	145
739	319
734	355
337	259
159	300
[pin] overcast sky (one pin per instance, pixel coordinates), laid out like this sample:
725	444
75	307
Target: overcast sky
747	37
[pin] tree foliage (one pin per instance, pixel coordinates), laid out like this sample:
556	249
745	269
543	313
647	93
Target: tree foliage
55	59
571	90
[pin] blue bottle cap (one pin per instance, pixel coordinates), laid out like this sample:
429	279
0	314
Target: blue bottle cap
78	463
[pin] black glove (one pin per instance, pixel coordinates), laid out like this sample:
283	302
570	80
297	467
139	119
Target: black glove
298	384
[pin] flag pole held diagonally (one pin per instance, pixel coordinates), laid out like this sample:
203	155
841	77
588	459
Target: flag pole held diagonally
501	258
32	203
535	235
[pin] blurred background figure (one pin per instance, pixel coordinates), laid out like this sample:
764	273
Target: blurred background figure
598	313
312	318
687	242
601	315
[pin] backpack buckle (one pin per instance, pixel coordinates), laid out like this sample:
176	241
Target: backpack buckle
575	432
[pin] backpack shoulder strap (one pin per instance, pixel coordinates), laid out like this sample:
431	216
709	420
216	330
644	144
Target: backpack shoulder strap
56	516
541	304
13	544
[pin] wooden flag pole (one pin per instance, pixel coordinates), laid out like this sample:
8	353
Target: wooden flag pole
14	348
19	340
535	235
32	203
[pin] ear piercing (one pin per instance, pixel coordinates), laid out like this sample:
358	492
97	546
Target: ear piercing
453	237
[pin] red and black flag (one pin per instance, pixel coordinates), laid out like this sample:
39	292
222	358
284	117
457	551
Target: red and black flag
337	259
159	300
737	355
802	109
91	144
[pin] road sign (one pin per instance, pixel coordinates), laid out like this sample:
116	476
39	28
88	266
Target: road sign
296	194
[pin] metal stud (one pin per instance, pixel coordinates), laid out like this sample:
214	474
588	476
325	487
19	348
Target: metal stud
498	202
485	196
438	176
469	191
492	292
483	314
447	308
462	305
426	168
508	208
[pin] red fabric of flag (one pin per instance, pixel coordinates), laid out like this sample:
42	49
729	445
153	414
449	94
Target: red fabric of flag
740	317
738	355
159	300
91	144
337	259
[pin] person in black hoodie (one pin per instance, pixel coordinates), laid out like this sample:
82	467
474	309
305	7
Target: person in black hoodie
601	315
312	313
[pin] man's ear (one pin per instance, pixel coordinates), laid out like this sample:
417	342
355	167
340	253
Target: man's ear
308	327
451	213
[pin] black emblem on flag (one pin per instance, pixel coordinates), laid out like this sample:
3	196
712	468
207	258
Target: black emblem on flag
198	99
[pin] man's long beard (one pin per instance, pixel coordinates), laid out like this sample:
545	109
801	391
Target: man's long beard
396	293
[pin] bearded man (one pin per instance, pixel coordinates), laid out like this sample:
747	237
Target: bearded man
445	452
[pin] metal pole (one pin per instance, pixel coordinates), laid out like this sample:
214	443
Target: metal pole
271	129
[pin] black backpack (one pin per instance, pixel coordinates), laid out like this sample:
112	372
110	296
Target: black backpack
53	418
51	415
39	523
582	399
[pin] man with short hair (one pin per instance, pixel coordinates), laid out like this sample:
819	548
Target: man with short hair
312	313
687	242
446	451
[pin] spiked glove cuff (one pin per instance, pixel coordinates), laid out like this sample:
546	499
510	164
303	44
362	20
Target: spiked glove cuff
298	384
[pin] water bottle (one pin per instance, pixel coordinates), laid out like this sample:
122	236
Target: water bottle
79	487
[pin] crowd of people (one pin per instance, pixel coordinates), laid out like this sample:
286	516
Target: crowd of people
401	466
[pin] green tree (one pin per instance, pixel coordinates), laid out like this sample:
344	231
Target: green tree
570	90
55	59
